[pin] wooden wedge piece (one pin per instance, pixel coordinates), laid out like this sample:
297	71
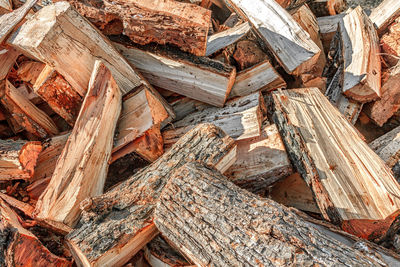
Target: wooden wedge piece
122	217
82	167
8	56
213	222
159	253
384	14
289	43
18	159
22	206
352	186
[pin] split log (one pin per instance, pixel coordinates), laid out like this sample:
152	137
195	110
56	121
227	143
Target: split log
384	14
59	94
261	161
328	27
185	106
158	253
82	166
213	222
200	78
387	147
362	63
289	43
22	206
26	114
18	159
36	189
323	8
241	118
118	223
289	4
247	54
29	71
78	44
351	184
381	110
8	57
181	24
10	20
29	94
5	6
390	44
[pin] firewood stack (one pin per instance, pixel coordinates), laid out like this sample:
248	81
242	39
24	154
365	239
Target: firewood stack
207	133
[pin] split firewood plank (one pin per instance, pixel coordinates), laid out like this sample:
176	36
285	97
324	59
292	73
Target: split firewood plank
5	6
328	27
362	64
388	147
29	71
185	106
82	167
118	223
20	246
22	206
59	94
261	161
36	189
10	20
213	222
384	14
222	39
261	76
381	110
18	159
247	53
289	43
323	8
145	22
24	112
352	186
79	44
8	57
241	118
200	78
390	44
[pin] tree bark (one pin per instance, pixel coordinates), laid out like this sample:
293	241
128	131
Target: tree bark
121	219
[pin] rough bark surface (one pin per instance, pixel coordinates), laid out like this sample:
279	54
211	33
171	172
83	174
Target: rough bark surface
159	253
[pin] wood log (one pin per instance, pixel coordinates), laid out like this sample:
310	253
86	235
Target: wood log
323	8
390	45
145	22
213	222
119	223
328	27
289	4
362	63
22	206
82	166
10	20
29	71
59	94
20	247
387	147
384	14
200	78
29	94
5	6
8	57
261	161
351	184
36	189
289	43
78	44
26	114
18	159
381	110
241	118
247	54
185	106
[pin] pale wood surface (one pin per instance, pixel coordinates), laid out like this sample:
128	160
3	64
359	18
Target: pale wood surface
384	14
388	147
8	56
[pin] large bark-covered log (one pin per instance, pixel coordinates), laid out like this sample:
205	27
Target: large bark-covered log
290	44
8	56
160	21
18	159
20	247
82	166
261	161
200	78
384	14
352	186
118	223
73	50
213	222
24	112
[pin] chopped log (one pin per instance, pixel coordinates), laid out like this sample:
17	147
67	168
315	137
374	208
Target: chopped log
390	44
29	94
22	206
78	44
387	147
222	39
384	14
381	110
213	222
323	8
118	223
29	71
328	27
5	6
241	118
261	161
10	20
20	246
185	106
8	56
36	189
59	94
18	159
247	54
158	253
262	76
200	78
289	43
82	166
351	184
24	112
289	4
362	63
184	25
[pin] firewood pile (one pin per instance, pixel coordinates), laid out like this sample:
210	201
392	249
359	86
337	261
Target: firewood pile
199	132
